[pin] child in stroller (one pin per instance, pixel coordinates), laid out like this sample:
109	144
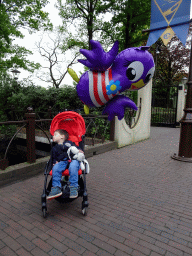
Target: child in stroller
68	130
60	160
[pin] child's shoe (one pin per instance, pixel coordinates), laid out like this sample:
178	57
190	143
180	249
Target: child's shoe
55	192
73	192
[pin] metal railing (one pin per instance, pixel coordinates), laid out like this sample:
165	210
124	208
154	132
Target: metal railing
98	129
132	116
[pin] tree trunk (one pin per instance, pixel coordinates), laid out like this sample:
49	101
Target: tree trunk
90	22
127	35
90	31
128	31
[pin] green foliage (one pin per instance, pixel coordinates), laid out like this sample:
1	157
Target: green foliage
19	98
15	15
97	127
162	115
102	127
172	62
7	131
126	22
82	14
133	95
16	99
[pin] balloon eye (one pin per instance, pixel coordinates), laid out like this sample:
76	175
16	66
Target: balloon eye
135	71
131	73
149	75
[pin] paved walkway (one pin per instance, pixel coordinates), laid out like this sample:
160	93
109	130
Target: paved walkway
140	204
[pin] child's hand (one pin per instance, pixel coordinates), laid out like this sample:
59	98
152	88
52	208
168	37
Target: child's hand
55	163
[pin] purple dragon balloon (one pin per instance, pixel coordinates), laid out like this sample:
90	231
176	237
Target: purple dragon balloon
110	74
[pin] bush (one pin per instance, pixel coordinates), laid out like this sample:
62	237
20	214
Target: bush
99	127
40	99
16	102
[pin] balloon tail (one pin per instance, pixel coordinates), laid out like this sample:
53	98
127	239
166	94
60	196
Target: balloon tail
86	109
73	74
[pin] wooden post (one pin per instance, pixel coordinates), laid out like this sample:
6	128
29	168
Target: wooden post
112	130
30	135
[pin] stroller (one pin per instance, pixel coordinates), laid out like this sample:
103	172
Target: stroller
74	124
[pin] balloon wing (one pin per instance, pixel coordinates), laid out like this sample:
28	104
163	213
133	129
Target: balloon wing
97	58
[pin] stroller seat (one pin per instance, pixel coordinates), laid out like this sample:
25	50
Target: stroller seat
66	172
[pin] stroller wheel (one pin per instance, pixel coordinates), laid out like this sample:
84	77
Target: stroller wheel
84	211
44	213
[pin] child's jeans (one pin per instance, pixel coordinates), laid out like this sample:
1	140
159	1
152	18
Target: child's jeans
73	172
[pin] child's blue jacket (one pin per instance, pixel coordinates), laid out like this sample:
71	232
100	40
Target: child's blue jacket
59	151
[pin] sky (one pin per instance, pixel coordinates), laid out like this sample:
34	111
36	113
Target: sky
29	42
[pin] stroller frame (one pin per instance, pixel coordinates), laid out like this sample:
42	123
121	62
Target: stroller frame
64	198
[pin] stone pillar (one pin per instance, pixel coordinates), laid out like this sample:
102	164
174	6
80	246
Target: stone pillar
180	102
123	134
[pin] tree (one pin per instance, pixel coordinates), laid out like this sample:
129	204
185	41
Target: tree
172	62
128	19
14	16
54	53
85	16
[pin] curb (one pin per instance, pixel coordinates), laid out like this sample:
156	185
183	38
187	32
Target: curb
25	170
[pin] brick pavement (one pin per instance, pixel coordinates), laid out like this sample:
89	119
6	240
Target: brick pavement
140	204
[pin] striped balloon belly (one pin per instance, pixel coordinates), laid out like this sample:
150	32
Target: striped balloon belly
97	87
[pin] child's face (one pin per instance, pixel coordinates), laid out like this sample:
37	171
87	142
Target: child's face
58	138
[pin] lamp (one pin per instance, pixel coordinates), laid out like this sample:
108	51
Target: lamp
184	80
158	49
15	73
185	143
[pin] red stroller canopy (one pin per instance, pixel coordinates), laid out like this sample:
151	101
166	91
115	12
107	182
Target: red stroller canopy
70	121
